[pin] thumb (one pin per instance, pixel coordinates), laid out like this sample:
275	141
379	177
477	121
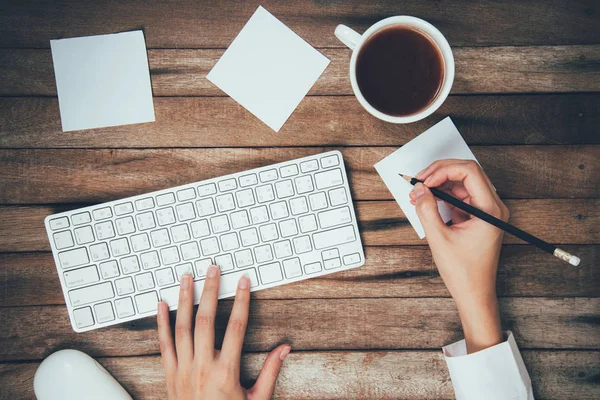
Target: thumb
265	384
427	210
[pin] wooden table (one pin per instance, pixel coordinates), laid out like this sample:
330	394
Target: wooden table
525	98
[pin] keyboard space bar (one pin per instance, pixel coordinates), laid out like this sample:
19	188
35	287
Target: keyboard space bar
228	286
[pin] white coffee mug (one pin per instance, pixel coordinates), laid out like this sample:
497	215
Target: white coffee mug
355	41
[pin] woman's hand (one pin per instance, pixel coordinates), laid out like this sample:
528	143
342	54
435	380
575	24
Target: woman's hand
466	253
194	369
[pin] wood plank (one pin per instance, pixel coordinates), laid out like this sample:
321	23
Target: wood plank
382	223
346	375
389	272
31	333
79	175
321	120
206	24
478	70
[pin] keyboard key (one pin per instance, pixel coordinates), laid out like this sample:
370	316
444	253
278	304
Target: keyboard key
205	207
109	269
245	198
318	201
330	161
312	268
284	189
144	281
124	307
59	223
334	237
304	184
81	218
165	216
170	255
288	170
350	259
227	184
183	269
83	317
309	166
248	180
104	312
270	273
243	258
99	252
200	228
145	221
268	232
63	240
225	262
102	213
124	208
225	202
124	286
299	205
229	242
105	230
239	219
129	265
140	242
220	224
91	294
332	263
147	302
190	251
302	244
338	196
279	210
329	254
259	214
338	216
84	235
150	260
263	253
268	175
308	223
81	276
209	246
185	212
180	233
283	249
329	178
144	204
249	237
186	194
119	247
265	193
160	238
165	199
201	266
165	276
125	225
288	228
292	268
207	190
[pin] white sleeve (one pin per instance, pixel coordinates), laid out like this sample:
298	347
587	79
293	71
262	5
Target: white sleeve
497	372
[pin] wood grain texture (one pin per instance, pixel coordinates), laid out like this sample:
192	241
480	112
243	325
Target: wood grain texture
478	70
346	375
207	24
381	223
388	272
78	175
32	333
318	121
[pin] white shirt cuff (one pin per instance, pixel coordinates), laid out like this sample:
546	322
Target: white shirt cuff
497	372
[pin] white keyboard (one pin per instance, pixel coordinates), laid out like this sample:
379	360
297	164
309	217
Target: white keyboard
276	224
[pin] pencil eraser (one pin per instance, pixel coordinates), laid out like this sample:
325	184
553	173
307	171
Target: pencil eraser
574	260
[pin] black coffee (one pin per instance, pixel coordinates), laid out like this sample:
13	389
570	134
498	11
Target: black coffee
399	71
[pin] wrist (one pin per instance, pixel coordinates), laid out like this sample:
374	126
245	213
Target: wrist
480	320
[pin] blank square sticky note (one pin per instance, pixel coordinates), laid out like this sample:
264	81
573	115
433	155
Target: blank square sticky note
102	80
268	69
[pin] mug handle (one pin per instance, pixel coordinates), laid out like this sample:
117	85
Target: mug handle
347	36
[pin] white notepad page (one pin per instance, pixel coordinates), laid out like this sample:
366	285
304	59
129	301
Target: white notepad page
102	80
439	142
268	69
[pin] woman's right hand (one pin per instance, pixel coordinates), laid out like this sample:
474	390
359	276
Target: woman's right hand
465	253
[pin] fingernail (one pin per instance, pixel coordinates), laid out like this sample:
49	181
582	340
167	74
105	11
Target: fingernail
427	181
186	280
244	282
212	271
284	353
419	190
160	308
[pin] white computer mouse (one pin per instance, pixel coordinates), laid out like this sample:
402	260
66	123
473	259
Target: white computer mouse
73	375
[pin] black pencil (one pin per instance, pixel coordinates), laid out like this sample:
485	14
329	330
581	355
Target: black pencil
498	223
